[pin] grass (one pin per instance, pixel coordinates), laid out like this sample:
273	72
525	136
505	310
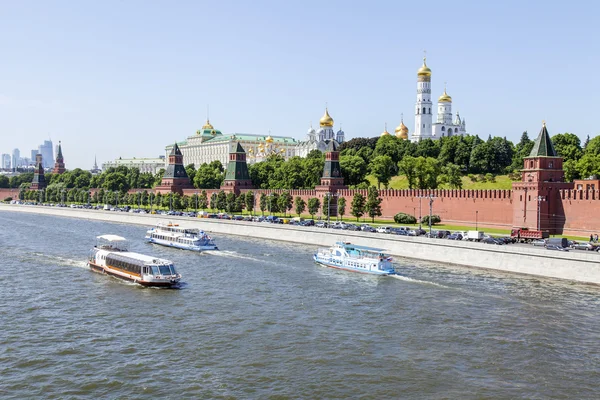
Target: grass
501	182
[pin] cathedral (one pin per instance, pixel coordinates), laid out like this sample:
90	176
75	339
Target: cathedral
319	139
425	128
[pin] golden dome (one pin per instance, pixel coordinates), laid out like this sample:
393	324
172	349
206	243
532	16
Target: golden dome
402	130
269	139
207	125
445	98
424	70
326	119
385	132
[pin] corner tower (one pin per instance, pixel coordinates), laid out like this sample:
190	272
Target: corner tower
39	180
423	116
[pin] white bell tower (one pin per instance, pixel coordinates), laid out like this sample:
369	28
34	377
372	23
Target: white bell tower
423	116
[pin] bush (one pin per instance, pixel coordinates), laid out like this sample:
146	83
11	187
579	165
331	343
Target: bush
435	219
402	218
515	176
472	177
8	199
481	178
490	177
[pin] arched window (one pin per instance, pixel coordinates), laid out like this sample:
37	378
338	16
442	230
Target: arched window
443	128
424	110
449	131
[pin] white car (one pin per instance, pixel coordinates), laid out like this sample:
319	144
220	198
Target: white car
539	242
384	229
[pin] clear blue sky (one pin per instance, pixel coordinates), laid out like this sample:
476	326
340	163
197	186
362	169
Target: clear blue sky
126	78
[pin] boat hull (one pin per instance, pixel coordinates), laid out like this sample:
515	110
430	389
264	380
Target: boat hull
351	269
102	270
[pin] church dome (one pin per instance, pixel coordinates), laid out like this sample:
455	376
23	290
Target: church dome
311	130
424	70
385	132
402	131
445	98
326	120
207	125
269	139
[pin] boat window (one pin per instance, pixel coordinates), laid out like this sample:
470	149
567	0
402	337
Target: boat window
165	270
145	270
154	270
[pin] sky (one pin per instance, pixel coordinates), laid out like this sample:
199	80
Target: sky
126	78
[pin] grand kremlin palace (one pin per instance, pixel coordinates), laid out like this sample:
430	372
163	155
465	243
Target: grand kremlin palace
210	144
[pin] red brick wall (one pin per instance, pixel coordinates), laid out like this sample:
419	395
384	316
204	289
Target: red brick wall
581	212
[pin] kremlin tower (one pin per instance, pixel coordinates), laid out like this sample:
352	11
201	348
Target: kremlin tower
59	166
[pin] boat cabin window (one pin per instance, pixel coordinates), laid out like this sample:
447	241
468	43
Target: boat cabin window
154	269
145	270
165	270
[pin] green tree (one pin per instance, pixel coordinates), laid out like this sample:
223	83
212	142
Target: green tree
4	181
427	171
354	170
190	169
522	150
239	202
313	206
589	165
451	176
249	200
203	200
263	203
373	204
300	205
568	146
382	168
357	207
230	202
221	201
408	166
341	207
285	202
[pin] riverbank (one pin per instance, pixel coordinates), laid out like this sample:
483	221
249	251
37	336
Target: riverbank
574	266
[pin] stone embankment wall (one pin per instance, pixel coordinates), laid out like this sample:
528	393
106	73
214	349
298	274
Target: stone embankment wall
574	266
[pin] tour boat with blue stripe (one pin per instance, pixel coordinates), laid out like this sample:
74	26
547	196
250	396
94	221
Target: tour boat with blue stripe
351	257
173	235
110	256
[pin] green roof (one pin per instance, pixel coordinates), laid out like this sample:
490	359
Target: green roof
543	145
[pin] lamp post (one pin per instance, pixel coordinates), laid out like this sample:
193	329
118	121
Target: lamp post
430	211
116	199
139	193
539	222
476	217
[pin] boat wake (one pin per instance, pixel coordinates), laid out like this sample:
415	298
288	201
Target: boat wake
58	260
407	279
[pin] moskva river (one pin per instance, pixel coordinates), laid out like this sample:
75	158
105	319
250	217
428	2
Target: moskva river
259	320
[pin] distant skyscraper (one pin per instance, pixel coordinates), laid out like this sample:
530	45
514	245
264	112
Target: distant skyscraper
5	161
33	154
16	159
47	154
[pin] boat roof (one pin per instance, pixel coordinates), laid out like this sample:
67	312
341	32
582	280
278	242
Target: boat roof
355	246
112	238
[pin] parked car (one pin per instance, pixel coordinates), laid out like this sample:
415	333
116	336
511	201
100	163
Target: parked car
539	242
492	240
367	228
309	222
321	224
455	236
555	247
583	246
384	229
352	227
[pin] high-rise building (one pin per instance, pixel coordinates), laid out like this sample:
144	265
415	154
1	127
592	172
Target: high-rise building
5	161
16	159
33	154
47	154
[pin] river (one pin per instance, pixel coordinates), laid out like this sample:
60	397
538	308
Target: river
258	319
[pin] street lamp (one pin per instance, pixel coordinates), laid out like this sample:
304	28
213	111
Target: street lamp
540	199
116	199
476	217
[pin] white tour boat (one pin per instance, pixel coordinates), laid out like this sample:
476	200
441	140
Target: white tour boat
350	257
173	235
110	256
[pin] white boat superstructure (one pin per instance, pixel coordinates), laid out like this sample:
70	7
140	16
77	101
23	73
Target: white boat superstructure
351	257
110	256
173	235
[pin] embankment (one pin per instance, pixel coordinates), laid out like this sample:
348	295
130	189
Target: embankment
575	266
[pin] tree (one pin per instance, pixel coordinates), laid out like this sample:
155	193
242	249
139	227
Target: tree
300	205
249	201
190	170
313	206
593	147
213	201
203	200
382	168
451	176
568	146
341	207
239	202
357	207
522	150
221	201
589	165
427	171
373	204
263	203
285	202
408	166
354	169
230	202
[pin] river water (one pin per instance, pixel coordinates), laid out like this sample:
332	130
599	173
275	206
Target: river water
259	319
